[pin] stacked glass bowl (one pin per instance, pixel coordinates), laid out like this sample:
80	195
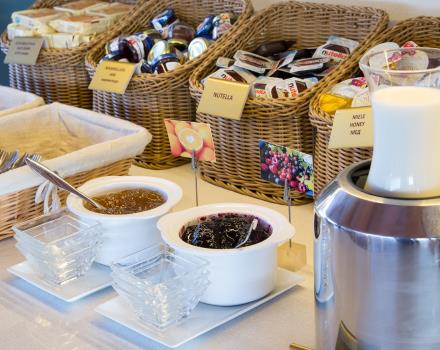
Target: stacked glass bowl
161	286
58	246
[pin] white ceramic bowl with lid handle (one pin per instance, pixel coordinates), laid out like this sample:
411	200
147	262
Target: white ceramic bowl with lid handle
125	234
238	275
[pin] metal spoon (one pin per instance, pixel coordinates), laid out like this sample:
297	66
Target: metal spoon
60	182
253	226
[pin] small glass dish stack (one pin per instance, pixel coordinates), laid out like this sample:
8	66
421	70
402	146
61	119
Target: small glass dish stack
58	246
161	286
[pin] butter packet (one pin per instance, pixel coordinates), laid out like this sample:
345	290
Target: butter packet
64	40
80	7
112	12
84	24
16	30
36	18
336	48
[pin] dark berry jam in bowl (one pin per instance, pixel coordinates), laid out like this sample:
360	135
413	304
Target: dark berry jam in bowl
212	232
225	231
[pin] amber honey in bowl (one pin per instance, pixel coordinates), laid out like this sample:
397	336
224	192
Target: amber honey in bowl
129	201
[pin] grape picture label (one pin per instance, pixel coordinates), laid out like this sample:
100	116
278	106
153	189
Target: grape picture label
279	164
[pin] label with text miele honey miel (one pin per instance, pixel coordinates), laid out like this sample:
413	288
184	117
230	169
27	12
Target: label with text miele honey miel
352	127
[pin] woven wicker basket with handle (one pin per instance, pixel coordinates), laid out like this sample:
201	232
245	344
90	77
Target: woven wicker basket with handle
20	206
150	98
59	74
425	31
281	121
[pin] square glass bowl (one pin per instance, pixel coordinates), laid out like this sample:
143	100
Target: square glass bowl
58	246
161	286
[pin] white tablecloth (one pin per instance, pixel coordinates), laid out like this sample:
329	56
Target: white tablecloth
32	319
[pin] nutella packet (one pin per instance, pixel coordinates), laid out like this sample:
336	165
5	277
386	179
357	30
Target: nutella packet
309	64
336	48
232	74
283	62
295	86
260	84
224	62
252	62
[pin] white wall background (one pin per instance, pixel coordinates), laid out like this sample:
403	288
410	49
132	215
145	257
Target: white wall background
398	9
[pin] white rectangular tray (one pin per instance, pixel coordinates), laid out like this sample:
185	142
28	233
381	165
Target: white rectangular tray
203	319
97	278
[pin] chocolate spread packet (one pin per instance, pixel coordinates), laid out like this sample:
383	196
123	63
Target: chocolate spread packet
232	74
252	62
336	48
295	86
224	62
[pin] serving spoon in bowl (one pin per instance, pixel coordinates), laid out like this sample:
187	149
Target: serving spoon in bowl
53	177
252	227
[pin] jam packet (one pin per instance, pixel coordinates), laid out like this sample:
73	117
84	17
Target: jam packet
336	48
252	62
350	88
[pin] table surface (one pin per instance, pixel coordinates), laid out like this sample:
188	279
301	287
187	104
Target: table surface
32	319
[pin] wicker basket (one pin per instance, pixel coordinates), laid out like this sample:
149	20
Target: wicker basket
151	98
59	74
425	31
20	206
281	121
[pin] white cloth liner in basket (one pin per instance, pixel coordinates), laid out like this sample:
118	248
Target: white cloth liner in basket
113	140
13	101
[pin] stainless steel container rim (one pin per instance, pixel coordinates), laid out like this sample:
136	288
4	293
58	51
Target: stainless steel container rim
346	204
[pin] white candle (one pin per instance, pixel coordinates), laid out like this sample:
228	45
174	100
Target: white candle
406	157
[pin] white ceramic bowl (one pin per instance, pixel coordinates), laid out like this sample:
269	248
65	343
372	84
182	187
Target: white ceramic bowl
240	275
126	234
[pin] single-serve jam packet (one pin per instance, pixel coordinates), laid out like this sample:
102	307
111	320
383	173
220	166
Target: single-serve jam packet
395	60
336	48
252	62
350	88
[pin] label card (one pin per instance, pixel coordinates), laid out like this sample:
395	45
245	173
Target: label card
279	164
24	50
186	137
224	98
112	76
352	127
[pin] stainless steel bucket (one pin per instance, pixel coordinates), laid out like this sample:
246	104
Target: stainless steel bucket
377	268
